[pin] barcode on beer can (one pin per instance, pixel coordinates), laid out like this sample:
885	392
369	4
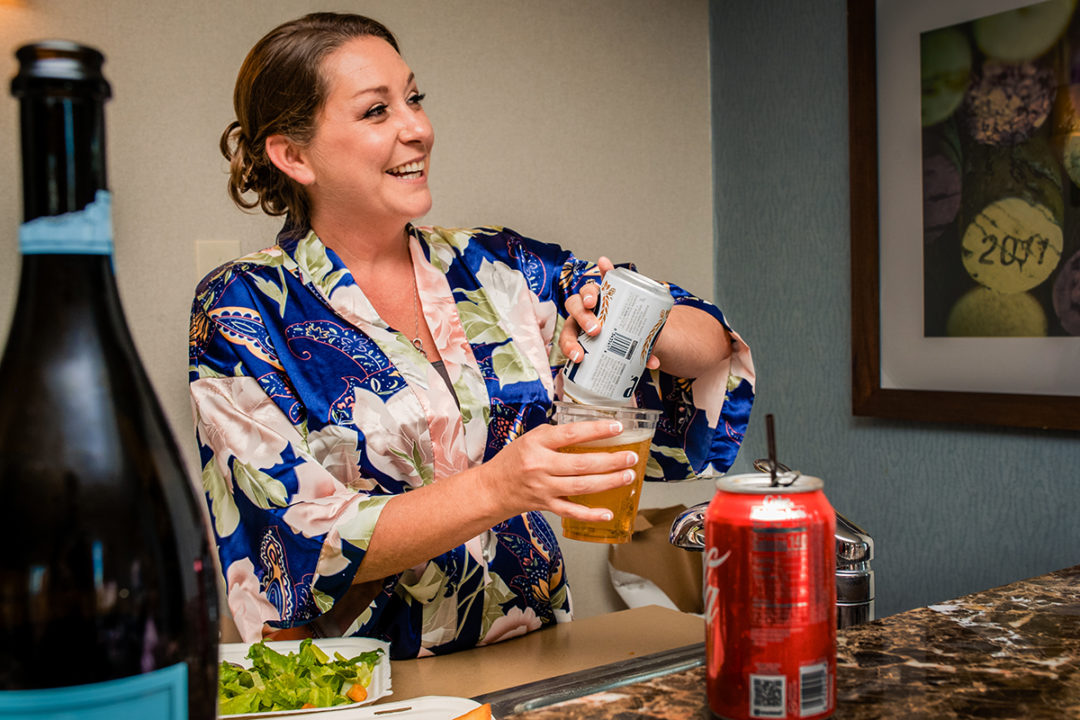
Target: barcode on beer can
632	310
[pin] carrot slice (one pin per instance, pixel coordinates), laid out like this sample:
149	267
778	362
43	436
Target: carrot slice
357	693
479	713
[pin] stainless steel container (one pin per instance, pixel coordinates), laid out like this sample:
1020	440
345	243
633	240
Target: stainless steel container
855	591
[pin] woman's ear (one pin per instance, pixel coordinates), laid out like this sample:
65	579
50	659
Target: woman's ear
289	158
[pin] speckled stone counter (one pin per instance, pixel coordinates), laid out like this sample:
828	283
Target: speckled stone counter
1009	652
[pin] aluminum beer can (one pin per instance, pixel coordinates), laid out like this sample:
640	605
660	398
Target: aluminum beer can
631	311
770	598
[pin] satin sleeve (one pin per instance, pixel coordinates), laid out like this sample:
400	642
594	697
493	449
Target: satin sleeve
704	419
290	534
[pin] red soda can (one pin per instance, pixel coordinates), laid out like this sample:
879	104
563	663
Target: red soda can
770	598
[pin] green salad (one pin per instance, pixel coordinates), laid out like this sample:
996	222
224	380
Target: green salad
308	678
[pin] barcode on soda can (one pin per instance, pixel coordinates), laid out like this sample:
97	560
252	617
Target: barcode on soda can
813	689
632	310
768	696
768	693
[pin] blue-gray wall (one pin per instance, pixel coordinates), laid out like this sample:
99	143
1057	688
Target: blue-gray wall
954	509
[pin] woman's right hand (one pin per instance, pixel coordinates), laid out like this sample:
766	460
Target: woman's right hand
531	474
528	474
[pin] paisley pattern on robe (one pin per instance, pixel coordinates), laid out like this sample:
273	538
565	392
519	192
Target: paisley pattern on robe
311	413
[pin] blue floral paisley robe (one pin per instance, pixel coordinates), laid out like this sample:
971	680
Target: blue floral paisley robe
311	413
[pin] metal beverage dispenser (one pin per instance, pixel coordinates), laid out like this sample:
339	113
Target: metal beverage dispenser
854	551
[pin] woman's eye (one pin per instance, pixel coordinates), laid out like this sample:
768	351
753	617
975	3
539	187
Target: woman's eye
417	98
375	111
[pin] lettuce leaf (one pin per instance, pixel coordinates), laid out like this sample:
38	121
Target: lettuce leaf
278	681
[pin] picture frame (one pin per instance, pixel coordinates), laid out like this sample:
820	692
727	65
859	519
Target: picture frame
898	372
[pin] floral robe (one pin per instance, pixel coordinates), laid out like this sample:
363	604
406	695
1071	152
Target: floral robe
311	413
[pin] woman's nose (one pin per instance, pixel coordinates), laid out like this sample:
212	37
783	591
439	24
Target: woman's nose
415	127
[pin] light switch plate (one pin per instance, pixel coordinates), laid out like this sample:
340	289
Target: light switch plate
211	253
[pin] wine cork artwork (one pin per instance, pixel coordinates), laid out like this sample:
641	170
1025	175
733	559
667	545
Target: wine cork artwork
1067	295
1001	174
982	312
942	180
1007	103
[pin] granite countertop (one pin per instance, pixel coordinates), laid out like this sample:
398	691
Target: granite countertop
1008	652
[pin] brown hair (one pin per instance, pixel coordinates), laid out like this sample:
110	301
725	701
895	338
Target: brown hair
279	90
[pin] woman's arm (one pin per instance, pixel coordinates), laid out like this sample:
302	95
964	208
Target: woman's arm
703	379
691	343
528	474
243	438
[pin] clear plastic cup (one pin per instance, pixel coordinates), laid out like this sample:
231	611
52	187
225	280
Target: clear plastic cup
638	426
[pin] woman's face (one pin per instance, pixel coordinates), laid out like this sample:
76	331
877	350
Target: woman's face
371	150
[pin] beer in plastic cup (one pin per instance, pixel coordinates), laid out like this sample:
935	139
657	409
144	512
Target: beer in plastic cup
638	425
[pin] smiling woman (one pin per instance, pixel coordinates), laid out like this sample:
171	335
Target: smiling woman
372	396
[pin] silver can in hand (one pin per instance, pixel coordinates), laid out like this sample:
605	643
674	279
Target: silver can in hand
631	311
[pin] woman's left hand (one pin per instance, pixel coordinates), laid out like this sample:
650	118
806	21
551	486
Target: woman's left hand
580	311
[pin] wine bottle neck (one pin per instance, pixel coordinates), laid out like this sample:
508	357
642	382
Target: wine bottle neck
62	94
66	287
63	153
66	237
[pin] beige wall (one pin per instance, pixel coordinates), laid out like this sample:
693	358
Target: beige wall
581	123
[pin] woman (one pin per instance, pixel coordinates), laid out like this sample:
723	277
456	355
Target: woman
371	397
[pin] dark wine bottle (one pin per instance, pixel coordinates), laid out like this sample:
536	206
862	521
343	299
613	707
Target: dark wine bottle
108	602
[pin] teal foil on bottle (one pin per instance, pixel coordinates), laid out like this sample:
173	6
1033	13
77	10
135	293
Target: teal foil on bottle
156	695
83	232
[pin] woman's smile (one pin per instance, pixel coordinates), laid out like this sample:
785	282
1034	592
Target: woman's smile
409	171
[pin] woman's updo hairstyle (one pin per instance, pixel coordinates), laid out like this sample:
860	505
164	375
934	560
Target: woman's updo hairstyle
279	90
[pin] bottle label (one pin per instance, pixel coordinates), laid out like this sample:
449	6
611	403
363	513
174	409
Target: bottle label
83	232
157	695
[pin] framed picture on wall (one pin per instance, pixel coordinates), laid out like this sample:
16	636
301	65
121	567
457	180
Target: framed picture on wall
965	210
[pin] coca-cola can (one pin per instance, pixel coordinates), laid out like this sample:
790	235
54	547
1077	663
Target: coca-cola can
631	311
770	598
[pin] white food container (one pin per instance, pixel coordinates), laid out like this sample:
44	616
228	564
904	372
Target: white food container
348	647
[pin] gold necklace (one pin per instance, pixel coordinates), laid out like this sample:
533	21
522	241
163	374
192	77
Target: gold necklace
417	342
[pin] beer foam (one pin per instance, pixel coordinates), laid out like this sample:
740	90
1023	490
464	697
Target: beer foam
627	437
